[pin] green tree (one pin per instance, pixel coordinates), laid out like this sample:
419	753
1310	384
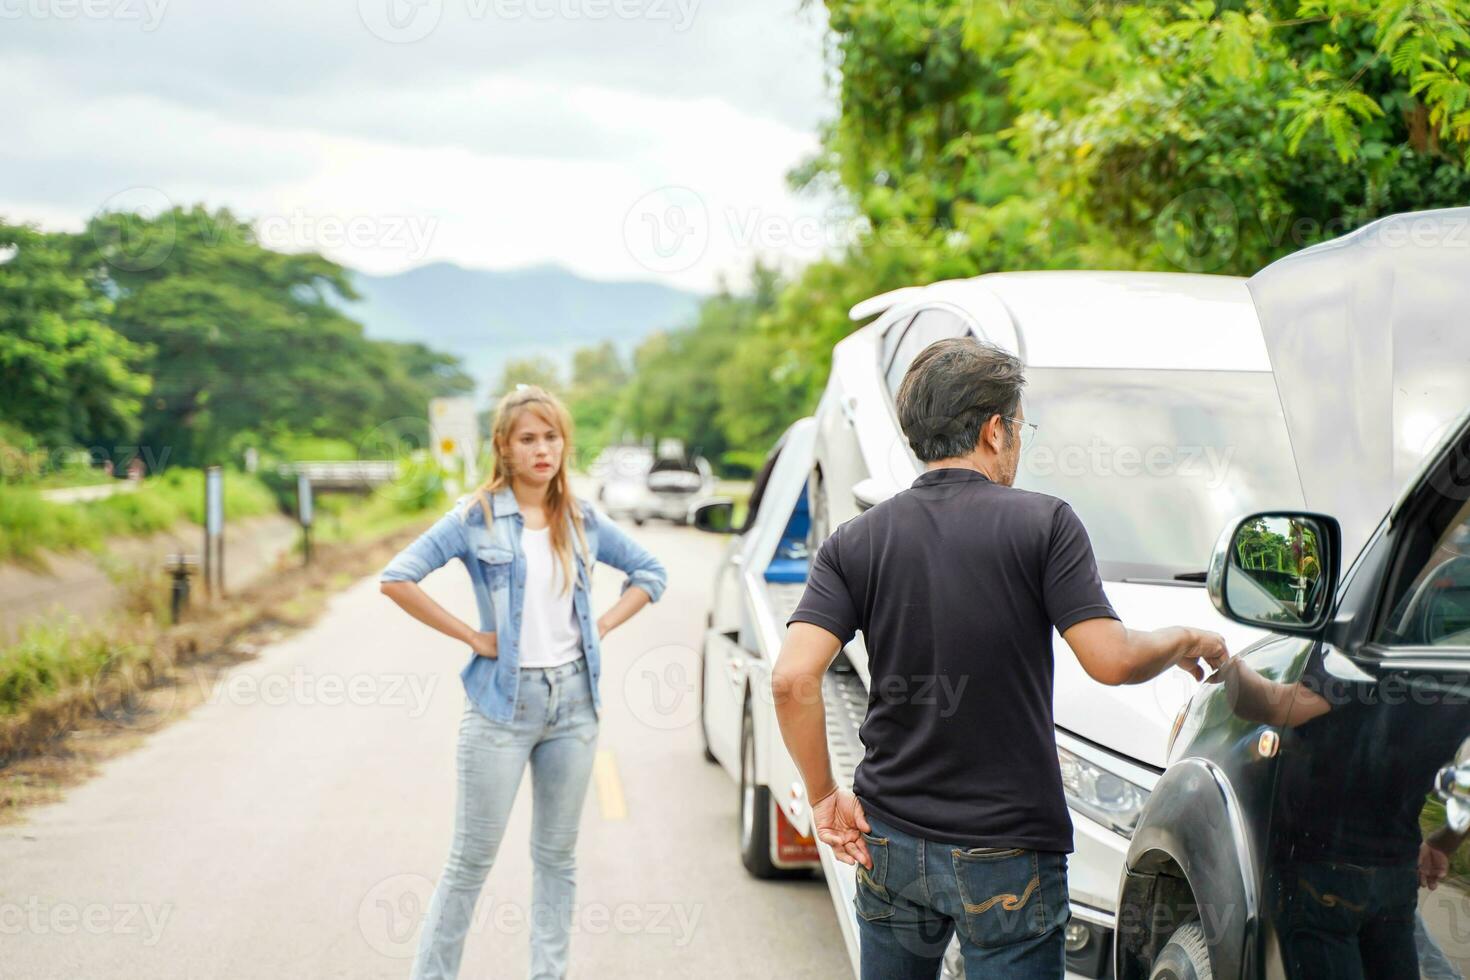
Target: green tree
535	370
244	339
65	376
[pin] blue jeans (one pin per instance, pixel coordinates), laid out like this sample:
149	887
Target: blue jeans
555	729
1009	906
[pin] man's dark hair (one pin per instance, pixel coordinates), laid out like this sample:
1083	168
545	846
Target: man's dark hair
951	390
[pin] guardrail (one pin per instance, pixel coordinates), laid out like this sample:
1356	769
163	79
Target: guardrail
94	491
343	474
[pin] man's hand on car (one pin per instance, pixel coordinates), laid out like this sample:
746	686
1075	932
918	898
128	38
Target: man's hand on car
1203	646
838	819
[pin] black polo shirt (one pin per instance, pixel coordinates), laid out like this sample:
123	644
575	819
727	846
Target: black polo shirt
957	583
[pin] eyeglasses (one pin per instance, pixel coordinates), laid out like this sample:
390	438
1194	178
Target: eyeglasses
1027	430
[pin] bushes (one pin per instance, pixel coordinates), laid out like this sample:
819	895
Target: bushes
29	523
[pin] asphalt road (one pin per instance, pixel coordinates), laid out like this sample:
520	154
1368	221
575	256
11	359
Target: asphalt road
294	823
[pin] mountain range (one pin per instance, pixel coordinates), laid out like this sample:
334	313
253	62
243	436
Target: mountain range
487	316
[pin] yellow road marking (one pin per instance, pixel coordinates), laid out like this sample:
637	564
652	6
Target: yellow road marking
609	786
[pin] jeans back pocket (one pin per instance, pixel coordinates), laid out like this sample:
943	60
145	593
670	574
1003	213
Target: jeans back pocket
1009	895
872	900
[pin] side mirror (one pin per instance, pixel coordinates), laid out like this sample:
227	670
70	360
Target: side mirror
715	515
868	493
1277	571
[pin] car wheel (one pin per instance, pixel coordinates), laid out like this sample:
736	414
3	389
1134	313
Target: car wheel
755	808
1184	957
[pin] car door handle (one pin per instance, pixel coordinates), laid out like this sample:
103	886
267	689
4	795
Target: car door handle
737	675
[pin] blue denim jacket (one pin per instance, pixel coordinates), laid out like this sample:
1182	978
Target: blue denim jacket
497	567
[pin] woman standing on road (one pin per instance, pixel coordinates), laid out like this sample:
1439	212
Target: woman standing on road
531	683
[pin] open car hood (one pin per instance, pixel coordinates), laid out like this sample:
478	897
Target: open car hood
1369	339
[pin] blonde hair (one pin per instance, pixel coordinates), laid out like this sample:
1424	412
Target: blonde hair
560	503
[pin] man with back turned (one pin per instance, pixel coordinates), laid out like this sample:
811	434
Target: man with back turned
956	820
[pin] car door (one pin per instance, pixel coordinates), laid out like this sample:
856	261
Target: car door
1365	868
730	632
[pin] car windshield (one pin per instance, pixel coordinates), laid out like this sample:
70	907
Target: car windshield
1156	462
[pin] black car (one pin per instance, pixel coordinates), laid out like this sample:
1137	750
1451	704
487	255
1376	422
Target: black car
1312	817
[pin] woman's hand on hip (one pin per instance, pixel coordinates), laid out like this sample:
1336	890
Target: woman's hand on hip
486	644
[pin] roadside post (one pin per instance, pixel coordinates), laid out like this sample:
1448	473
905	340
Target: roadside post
303	514
214	528
180	567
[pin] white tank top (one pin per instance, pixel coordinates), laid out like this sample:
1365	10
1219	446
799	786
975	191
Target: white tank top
549	632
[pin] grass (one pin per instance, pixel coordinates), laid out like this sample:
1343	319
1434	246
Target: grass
29	524
343	518
114	679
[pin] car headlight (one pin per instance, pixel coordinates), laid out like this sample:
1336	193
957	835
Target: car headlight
1107	798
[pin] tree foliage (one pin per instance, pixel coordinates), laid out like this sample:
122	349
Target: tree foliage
977	136
231	343
65	376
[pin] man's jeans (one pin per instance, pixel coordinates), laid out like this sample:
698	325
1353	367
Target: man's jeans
1008	905
555	729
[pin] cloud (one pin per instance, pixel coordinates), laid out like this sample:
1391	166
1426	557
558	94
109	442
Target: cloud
492	141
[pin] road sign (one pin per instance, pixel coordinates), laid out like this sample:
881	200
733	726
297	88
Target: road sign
454	435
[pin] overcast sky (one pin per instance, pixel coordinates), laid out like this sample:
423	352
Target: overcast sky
625	139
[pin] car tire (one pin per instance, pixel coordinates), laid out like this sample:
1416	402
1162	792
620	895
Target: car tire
755	827
1185	956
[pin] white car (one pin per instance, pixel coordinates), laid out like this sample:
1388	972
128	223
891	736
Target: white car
1159	421
671	485
621	472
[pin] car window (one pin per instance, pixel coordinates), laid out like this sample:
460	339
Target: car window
1429	592
758	487
891	337
927	327
1155	462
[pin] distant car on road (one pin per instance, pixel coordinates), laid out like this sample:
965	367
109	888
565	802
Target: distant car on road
672	484
621	472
